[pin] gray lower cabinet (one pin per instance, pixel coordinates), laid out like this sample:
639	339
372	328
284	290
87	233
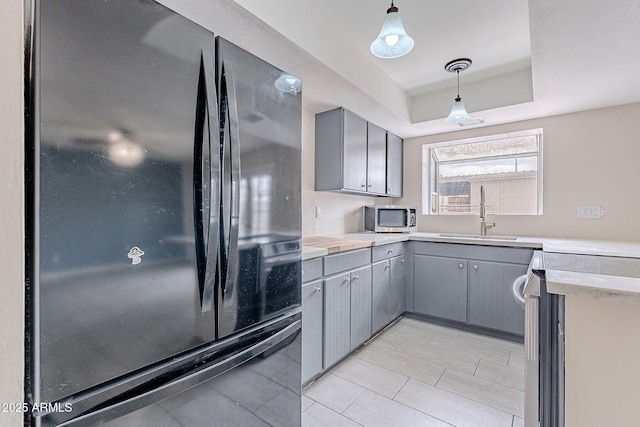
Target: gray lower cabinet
312	318
441	287
388	291
337	319
397	285
491	303
347	303
470	284
312	308
380	295
360	306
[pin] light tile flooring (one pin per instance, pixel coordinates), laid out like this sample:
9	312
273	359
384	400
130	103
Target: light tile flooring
420	374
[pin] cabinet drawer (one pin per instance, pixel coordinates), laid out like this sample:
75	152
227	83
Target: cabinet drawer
346	261
387	251
311	269
479	252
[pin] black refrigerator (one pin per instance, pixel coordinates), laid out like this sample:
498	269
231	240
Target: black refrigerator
164	223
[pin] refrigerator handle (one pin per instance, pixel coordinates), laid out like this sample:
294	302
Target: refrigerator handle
207	181
175	382
234	217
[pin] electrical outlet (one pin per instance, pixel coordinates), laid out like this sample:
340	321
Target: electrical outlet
591	212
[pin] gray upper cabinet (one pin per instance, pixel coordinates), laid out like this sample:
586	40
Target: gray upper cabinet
394	165
351	156
376	159
354	142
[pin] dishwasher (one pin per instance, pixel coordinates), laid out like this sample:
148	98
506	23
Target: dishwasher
544	347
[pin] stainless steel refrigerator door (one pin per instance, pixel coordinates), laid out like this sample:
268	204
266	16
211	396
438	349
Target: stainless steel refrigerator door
261	186
120	118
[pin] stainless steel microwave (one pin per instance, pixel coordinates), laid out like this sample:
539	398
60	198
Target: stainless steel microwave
390	219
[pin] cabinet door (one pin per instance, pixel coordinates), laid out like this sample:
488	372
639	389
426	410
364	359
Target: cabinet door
355	152
491	303
394	165
380	295
337	318
376	159
360	306
441	287
311	329
397	286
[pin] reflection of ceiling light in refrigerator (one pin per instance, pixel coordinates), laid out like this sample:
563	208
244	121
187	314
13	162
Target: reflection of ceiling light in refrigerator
124	151
288	83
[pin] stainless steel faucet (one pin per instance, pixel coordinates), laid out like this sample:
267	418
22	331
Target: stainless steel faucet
484	226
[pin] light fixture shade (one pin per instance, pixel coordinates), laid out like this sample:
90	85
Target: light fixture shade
393	41
458	113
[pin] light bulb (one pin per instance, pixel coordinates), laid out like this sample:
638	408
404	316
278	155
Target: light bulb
391	39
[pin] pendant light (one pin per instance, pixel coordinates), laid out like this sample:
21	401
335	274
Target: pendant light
458	113
393	41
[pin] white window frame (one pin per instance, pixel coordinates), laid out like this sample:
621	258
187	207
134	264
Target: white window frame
427	197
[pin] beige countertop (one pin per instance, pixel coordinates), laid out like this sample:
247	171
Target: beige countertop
600	277
601	269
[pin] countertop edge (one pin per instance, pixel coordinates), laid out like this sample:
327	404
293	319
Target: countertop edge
594	286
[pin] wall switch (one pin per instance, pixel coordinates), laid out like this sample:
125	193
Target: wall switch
318	211
592	212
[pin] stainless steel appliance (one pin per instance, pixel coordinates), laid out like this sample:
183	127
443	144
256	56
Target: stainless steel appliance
165	223
390	219
544	347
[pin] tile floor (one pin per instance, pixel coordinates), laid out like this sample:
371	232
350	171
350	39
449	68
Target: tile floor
420	374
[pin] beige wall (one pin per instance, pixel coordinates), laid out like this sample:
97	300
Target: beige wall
11	194
590	158
339	212
602	353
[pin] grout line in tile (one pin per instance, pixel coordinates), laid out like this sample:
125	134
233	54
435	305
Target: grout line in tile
474	400
401	387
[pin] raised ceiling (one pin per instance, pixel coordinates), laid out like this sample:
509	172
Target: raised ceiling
583	55
530	59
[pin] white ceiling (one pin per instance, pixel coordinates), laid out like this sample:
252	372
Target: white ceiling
530	59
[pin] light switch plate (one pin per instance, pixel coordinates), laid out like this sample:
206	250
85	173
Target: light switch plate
591	212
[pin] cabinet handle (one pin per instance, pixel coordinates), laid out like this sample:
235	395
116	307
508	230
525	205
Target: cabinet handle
355	278
318	289
475	267
389	189
363	186
461	265
347	280
401	261
386	267
390	251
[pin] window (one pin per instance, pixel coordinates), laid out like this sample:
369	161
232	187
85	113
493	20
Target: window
509	167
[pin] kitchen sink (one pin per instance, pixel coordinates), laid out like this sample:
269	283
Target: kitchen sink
477	236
